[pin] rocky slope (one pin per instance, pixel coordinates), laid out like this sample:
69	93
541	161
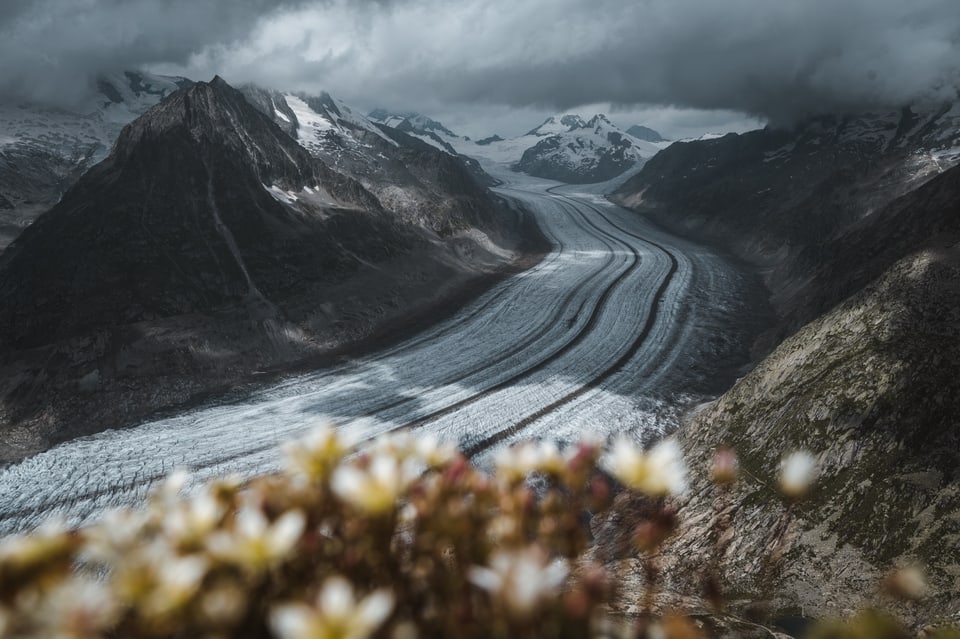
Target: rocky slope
423	183
585	152
776	198
870	388
210	244
857	224
409	128
43	150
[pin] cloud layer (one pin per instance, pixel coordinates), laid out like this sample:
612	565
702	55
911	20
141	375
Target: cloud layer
781	60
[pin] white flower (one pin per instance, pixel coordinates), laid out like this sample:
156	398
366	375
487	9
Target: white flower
255	542
520	580
178	579
115	535
169	491
78	609
23	553
191	521
426	449
376	488
907	582
514	463
798	471
336	615
658	473
434	453
317	454
224	603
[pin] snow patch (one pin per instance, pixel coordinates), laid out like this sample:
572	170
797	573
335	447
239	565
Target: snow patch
287	197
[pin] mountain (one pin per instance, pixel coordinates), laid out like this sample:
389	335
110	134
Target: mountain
43	150
774	197
579	152
210	243
420	127
645	133
555	124
855	222
489	140
564	147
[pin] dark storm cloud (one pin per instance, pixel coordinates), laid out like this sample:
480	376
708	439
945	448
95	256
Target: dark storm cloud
50	50
779	59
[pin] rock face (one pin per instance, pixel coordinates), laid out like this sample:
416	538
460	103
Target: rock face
44	151
208	244
586	152
775	198
871	389
415	127
424	183
857	223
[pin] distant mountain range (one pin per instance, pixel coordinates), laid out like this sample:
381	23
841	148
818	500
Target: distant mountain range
564	147
578	152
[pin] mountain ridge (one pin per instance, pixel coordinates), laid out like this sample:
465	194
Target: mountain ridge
210	244
855	224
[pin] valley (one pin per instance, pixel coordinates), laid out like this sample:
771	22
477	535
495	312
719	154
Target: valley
617	329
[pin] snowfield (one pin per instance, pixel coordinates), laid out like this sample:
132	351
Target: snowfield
600	337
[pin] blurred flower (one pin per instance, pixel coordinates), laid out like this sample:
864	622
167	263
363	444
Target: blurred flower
115	535
514	463
658	473
76	609
169	491
178	580
256	543
376	488
46	550
336	615
192	520
725	467
427	449
317	454
434	453
223	603
521	580
798	471
907	583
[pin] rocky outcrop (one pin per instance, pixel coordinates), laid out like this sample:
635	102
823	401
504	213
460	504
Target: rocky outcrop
870	388
857	225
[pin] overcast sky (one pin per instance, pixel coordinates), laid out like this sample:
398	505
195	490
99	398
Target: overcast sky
682	66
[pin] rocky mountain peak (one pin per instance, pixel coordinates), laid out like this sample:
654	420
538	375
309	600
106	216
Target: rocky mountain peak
216	113
559	124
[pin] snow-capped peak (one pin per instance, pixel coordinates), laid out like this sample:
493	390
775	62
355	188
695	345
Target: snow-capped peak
422	127
591	151
562	123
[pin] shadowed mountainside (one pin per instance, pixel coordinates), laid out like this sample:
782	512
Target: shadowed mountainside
208	245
